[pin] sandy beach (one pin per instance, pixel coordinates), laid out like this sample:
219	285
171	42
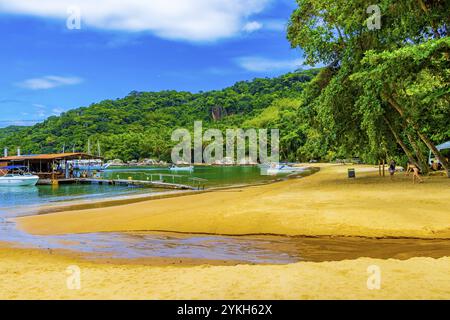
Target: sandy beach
32	274
327	203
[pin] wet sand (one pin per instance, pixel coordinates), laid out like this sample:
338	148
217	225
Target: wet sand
152	248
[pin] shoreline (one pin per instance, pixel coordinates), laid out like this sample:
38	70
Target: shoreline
136	198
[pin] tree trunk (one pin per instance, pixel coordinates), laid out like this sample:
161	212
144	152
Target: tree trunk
423	137
424	8
400	141
423	163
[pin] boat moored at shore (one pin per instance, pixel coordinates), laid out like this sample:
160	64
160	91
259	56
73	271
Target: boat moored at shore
88	165
274	169
17	176
182	169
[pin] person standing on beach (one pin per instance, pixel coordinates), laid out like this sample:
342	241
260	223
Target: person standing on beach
409	167
392	169
416	174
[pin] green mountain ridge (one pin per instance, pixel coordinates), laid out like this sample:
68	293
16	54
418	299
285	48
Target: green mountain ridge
140	125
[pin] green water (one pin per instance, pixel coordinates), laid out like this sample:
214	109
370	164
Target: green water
17	197
215	176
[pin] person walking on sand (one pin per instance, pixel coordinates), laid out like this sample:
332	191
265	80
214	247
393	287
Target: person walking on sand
416	174
409	167
392	169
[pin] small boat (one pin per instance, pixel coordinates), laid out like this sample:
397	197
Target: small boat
17	176
181	169
275	169
89	165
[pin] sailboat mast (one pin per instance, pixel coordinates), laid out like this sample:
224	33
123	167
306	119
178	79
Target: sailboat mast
99	150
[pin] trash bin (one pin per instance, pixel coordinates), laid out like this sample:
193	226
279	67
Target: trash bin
351	173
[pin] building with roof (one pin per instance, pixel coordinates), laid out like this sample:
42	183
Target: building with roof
444	148
47	166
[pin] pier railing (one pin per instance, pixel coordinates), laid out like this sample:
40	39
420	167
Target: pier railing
157	180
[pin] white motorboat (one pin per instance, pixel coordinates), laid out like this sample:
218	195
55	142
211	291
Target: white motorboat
275	169
89	165
17	176
181	169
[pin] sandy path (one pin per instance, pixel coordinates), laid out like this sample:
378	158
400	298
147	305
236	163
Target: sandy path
326	203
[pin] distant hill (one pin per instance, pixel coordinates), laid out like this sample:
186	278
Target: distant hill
140	124
5	132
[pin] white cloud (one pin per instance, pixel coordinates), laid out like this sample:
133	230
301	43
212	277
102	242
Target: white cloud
39	106
57	111
252	26
259	64
192	20
49	82
275	25
41	110
268	25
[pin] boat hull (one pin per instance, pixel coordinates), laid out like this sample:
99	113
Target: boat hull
18	181
91	168
281	170
182	169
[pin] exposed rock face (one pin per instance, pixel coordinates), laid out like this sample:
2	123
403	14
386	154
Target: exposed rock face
218	113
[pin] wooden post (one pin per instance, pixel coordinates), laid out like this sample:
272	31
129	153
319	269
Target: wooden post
53	172
379	168
384	172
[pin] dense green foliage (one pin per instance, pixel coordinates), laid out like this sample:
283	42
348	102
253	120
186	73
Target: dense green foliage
8	131
140	125
385	92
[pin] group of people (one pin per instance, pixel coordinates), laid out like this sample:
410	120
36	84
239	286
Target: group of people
411	168
436	166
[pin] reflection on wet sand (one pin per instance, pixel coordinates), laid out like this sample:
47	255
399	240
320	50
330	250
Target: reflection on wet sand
155	247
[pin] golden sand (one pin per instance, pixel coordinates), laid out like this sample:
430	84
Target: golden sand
326	203
32	274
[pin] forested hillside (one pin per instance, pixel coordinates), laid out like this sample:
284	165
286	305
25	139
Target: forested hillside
8	131
140	125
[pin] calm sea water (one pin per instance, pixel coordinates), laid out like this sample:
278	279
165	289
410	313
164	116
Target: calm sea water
20	200
14	197
215	176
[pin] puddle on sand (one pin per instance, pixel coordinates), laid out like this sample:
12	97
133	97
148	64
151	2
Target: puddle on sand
241	249
256	249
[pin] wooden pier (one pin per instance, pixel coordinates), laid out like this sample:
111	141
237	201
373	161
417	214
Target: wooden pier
136	183
199	183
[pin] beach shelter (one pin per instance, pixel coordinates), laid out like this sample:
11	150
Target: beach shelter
444	146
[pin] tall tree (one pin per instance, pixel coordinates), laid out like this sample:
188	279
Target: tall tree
377	74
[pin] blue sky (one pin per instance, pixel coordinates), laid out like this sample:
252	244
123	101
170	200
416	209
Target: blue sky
151	45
